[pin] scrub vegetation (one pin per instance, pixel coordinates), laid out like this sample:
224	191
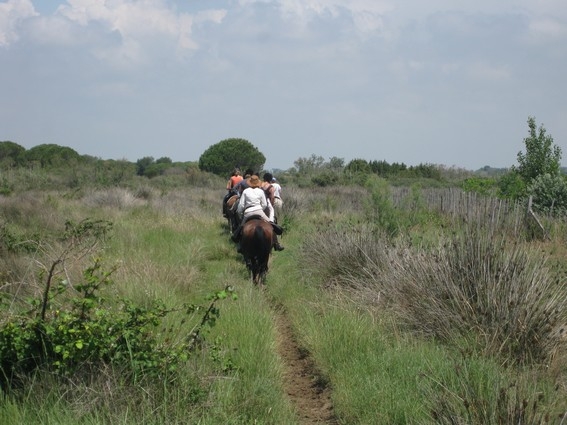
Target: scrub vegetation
131	305
406	298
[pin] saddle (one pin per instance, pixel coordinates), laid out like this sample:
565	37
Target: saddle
278	230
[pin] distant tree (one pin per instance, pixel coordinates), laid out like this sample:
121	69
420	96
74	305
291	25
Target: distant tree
397	168
336	164
156	169
52	155
142	164
325	178
381	168
541	156
308	166
11	154
222	157
164	160
358	166
428	171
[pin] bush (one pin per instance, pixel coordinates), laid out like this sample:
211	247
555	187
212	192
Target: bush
549	194
480	288
70	329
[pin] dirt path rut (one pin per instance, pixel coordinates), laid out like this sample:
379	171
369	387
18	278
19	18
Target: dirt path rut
305	387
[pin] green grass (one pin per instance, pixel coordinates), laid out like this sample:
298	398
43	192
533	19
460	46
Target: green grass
176	248
380	374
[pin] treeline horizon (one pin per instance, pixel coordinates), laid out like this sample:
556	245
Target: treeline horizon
50	155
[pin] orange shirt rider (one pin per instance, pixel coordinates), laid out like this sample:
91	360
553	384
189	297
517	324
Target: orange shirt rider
235	178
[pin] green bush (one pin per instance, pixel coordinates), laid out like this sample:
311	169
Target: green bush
85	332
549	193
73	329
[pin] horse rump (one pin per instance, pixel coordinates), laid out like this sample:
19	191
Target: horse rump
256	247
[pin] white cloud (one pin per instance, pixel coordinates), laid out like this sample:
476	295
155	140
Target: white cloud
366	15
131	29
487	72
12	13
548	29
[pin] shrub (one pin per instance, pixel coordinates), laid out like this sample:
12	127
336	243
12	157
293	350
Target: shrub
480	288
71	329
379	208
549	193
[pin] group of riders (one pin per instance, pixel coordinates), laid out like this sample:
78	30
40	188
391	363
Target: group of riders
255	198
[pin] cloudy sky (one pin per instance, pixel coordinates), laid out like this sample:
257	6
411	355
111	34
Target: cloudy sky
413	81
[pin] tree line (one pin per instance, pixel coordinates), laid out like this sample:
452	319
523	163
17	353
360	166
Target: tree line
537	174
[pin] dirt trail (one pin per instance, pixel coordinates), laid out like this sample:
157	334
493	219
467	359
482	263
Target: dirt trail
305	387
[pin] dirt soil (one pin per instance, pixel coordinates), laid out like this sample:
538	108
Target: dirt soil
305	387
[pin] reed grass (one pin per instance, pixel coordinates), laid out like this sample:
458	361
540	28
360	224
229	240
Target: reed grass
354	297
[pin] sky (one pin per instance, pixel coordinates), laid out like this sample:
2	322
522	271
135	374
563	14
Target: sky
409	81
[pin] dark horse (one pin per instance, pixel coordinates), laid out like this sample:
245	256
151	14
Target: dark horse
230	213
256	247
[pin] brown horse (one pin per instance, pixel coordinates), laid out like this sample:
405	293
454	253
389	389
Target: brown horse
256	247
230	212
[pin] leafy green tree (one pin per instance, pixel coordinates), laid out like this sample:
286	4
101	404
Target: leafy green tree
164	160
428	171
308	166
541	156
381	168
222	157
142	164
336	164
52	155
358	166
511	185
11	154
156	169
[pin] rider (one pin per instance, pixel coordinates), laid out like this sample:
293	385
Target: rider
235	178
270	192
253	202
278	203
243	184
270	195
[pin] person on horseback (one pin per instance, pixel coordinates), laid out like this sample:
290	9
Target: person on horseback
278	202
253	202
235	178
243	184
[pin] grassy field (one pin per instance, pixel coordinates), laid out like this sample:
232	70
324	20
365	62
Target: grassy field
376	299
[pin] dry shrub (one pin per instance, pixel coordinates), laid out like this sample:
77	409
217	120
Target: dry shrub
116	198
294	203
346	255
498	295
478	290
30	210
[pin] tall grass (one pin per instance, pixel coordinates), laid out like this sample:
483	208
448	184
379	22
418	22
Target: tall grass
491	300
173	246
412	327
